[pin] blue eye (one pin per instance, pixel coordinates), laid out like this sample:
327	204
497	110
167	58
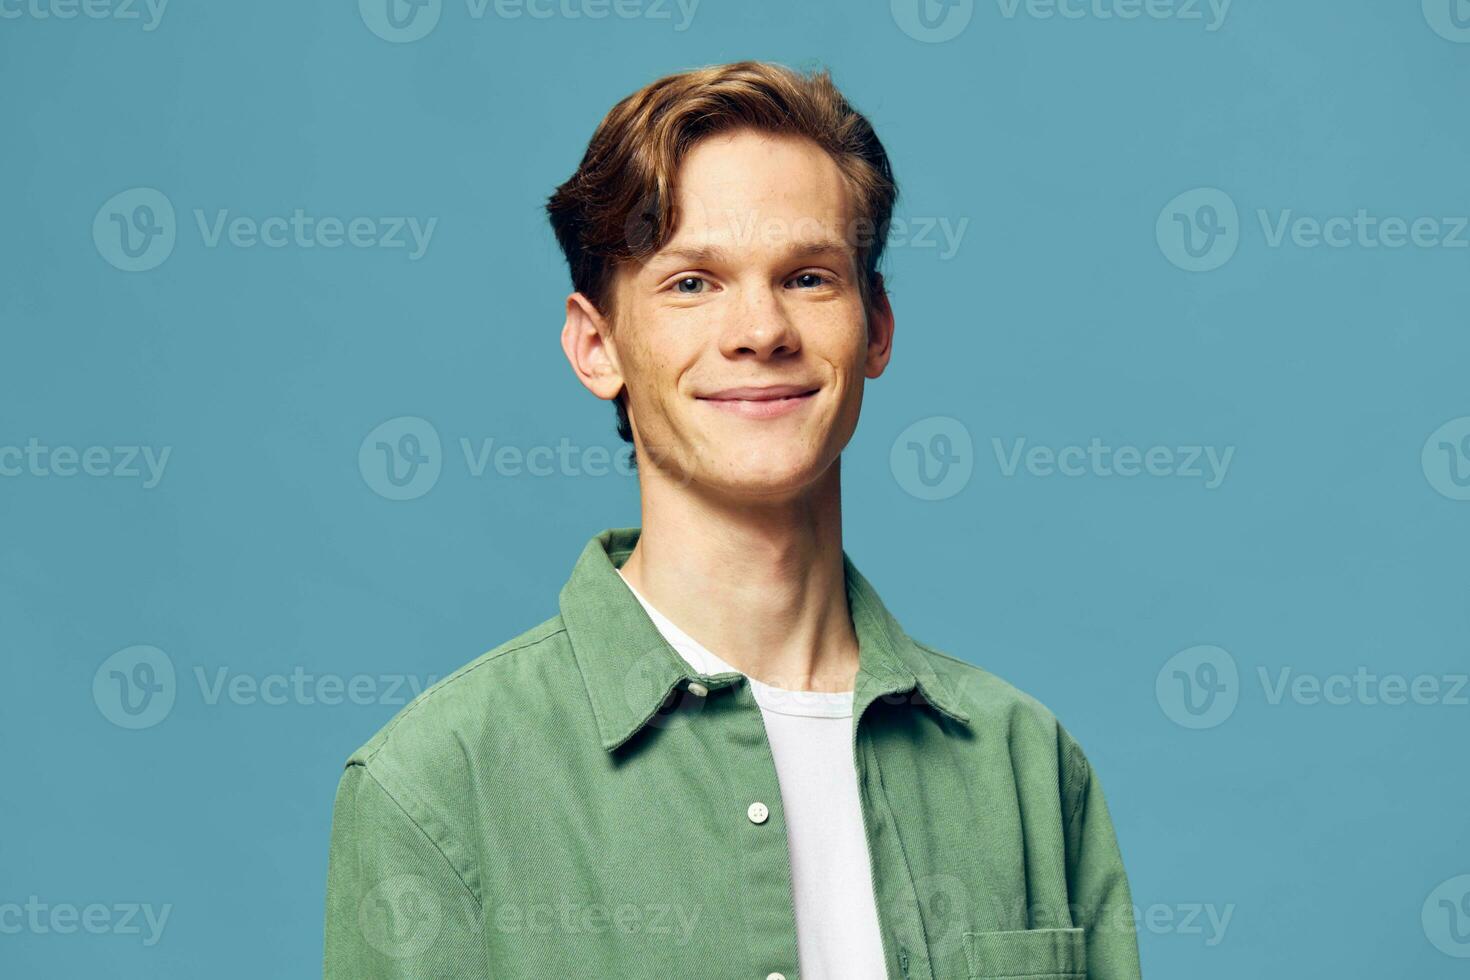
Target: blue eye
679	286
810	279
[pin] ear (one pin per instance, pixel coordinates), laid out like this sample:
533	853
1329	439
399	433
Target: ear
880	331
586	339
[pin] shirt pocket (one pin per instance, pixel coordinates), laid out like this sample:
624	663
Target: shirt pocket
1036	954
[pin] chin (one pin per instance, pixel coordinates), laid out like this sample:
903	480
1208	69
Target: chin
765	474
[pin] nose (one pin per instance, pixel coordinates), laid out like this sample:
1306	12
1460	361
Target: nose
761	327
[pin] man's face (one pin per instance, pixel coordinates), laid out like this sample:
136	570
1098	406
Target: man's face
757	289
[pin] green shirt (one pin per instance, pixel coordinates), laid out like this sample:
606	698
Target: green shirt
566	806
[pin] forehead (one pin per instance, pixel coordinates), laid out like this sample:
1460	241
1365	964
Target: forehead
746	187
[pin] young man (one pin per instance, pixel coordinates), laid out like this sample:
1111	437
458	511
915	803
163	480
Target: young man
724	757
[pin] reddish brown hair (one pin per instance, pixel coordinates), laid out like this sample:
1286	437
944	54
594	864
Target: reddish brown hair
619	205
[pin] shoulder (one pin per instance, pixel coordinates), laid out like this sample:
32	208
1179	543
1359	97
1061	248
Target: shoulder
979	692
457	711
428	762
997	707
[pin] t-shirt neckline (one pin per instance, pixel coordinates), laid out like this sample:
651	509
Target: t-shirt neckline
784	701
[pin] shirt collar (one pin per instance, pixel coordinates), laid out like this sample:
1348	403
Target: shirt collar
630	670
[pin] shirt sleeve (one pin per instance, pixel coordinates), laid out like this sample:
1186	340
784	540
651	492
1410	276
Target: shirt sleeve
1097	885
396	907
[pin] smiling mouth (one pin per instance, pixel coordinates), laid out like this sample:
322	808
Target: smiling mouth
756	398
760	406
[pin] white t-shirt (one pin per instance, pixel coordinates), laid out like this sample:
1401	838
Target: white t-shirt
810	733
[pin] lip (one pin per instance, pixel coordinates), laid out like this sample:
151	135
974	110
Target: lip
758	402
761	392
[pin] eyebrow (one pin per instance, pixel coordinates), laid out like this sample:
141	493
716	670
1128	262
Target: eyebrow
715	253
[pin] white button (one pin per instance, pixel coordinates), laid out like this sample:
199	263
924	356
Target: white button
757	812
775	976
697	689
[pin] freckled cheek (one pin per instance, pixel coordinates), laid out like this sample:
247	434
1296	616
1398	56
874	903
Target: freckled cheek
661	373
840	323
844	346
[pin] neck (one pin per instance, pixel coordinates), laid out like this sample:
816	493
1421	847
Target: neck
759	584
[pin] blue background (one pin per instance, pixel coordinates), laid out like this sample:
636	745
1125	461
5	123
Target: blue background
1060	318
